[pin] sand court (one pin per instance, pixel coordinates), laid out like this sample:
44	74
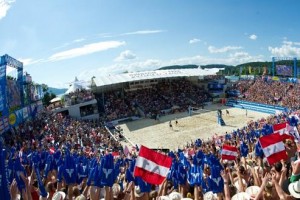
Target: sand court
203	124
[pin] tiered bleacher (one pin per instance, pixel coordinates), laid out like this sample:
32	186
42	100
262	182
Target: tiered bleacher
56	157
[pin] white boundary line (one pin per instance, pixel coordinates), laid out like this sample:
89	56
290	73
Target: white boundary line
123	136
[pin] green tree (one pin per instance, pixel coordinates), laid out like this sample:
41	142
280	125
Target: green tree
47	95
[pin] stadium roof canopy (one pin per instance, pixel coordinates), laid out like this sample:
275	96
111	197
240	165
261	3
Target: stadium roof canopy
148	75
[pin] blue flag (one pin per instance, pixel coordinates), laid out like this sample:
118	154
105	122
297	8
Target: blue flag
184	160
268	128
93	173
195	175
10	170
216	184
172	170
181	174
82	171
42	189
293	121
198	158
144	187
258	150
227	136
198	142
244	149
3	180
129	172
48	165
18	171
107	170
69	171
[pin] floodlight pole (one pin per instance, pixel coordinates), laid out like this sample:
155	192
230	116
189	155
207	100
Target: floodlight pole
295	68
273	66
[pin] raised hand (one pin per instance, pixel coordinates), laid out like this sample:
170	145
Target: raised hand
225	176
13	189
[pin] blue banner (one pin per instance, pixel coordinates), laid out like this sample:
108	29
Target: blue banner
3	104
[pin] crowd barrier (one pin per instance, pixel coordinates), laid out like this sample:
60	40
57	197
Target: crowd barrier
259	107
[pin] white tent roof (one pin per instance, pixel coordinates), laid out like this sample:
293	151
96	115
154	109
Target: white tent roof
77	85
138	76
55	99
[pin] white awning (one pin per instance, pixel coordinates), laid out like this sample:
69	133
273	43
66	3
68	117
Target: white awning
148	75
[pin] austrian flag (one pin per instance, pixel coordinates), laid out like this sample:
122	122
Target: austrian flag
273	148
280	128
151	166
229	152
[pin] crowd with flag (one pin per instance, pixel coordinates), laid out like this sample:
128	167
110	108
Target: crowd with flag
55	157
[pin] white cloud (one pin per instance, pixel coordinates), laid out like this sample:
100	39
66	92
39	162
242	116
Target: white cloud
194	40
287	49
143	32
30	61
243	57
225	49
85	50
125	55
4	7
253	37
79	40
69	43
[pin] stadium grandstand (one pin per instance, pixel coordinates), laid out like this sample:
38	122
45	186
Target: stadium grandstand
70	151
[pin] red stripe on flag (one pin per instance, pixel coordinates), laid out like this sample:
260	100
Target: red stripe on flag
280	128
155	157
227	157
287	137
230	148
276	157
148	177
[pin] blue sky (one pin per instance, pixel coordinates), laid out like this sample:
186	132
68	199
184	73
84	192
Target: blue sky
60	39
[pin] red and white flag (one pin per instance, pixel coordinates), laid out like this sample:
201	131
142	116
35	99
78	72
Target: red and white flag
151	166
229	152
273	148
51	150
280	128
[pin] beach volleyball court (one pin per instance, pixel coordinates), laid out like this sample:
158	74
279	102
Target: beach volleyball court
201	124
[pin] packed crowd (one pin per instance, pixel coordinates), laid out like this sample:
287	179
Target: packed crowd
54	157
117	107
270	92
164	96
79	96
